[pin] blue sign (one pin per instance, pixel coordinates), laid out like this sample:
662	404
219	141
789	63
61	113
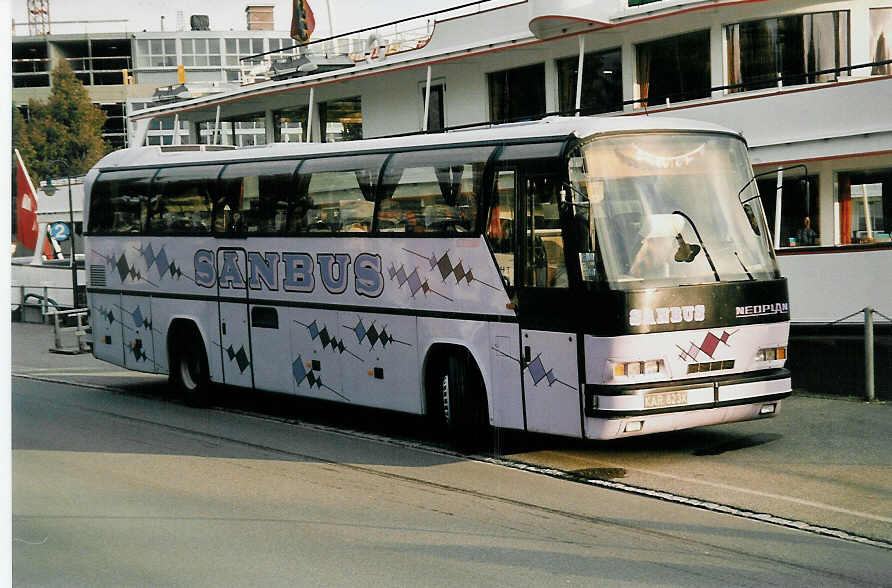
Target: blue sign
59	231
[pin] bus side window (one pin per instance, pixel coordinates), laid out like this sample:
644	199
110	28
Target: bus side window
433	191
340	193
119	202
257	196
181	201
500	229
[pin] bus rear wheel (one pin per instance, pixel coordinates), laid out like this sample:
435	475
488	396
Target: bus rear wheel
458	401
189	370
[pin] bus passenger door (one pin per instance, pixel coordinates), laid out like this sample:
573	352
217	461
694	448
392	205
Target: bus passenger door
505	375
235	336
549	361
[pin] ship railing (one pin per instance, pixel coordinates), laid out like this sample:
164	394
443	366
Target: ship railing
777	81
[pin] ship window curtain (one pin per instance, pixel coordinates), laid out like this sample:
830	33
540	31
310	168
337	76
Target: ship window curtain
644	62
881	40
845	209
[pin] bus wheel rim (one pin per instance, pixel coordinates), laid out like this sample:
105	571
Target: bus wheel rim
187	371
445	395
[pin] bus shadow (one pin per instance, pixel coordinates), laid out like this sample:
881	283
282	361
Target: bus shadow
698	442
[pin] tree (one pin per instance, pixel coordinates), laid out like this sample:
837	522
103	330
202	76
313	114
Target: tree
68	127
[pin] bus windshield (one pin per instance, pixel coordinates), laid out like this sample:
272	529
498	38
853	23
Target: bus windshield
666	211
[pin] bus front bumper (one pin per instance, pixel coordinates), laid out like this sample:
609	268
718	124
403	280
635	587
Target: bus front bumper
615	411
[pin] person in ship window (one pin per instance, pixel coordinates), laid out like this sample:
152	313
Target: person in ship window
806	235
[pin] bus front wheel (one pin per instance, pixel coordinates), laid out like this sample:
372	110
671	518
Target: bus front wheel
189	370
459	402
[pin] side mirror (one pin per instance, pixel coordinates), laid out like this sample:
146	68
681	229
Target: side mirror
751	216
686	252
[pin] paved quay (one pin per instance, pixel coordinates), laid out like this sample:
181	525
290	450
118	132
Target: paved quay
824	461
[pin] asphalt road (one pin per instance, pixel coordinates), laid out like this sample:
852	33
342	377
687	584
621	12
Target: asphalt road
824	461
119	489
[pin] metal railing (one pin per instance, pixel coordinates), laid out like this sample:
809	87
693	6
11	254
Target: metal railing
71	331
869	364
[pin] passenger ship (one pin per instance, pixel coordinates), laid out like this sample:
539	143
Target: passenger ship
808	84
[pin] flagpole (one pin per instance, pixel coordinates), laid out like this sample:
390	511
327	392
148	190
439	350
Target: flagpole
330	25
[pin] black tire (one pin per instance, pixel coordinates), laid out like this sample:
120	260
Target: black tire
460	403
189	369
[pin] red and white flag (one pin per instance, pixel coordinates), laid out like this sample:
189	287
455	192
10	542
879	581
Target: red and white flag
27	227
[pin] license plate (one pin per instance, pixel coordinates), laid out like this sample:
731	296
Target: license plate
663	399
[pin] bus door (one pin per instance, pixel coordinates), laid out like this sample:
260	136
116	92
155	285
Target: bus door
501	234
233	297
549	358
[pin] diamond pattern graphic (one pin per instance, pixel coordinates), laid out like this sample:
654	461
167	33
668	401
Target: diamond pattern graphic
301	372
373	335
443	264
414	281
137	350
327	341
537	370
240	357
708	346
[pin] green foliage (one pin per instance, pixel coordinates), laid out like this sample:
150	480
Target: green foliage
68	127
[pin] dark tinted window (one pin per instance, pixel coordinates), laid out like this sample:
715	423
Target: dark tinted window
181	199
517	94
433	191
119	201
259	196
602	82
676	68
337	194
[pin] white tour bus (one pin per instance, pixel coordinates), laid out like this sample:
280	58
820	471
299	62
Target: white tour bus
589	277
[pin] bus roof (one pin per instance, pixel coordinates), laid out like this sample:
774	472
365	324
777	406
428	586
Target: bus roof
556	128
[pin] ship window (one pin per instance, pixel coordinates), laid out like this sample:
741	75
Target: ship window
517	94
602	82
341	120
794	210
792	47
290	125
675	68
436	114
865	206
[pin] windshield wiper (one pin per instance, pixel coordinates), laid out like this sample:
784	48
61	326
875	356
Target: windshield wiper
740	261
686	252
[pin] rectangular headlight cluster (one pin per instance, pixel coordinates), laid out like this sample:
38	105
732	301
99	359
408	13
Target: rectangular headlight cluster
771	354
633	369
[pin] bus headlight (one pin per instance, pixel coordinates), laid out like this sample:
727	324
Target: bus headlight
648	369
771	354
